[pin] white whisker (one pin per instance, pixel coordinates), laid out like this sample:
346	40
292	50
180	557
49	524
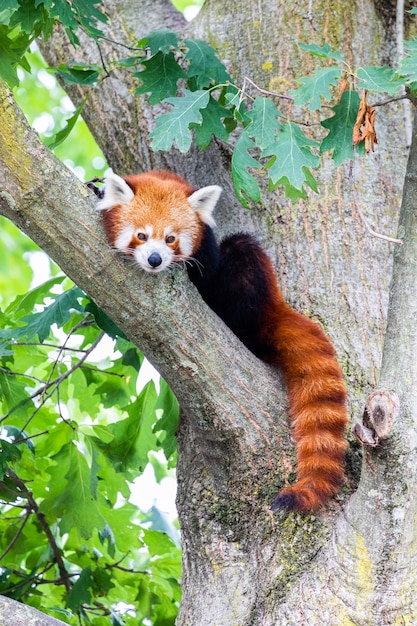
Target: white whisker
189	260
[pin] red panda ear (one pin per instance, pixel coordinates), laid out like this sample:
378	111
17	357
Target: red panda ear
203	202
116	191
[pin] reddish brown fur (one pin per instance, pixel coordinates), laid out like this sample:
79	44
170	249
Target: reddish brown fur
317	400
157	204
244	291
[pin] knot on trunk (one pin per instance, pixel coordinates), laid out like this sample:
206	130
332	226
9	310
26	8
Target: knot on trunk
381	409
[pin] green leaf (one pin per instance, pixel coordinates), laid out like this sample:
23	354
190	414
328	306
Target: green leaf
14	394
119	384
26	303
212	124
71	121
340	127
205	66
159	77
70	497
292	192
56	313
161	40
292	156
104	321
324	52
102	582
27	16
263	124
245	185
9	453
235	102
159	543
133	436
379	79
11	55
78	74
80	591
11	5
175	125
62	10
408	65
77	13
167	404
315	87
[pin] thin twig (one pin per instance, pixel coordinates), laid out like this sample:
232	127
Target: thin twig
265	92
32	579
49	345
382	103
8	372
279	95
17	535
52	383
80	324
368	227
33	506
310	15
122	45
371	231
103	63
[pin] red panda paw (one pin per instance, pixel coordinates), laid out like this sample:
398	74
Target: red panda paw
299	498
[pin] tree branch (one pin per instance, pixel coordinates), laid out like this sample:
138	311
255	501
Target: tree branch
12	612
212	374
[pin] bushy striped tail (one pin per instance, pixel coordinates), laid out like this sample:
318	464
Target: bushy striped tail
317	406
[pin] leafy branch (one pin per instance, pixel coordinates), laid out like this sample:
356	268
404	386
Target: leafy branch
33	507
62	478
203	102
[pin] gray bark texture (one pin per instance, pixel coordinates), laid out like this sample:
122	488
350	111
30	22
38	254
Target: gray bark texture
353	563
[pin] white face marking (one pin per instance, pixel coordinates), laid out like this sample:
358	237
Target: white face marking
186	244
124	238
154	255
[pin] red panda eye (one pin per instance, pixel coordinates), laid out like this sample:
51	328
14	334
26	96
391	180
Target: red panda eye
142	237
170	239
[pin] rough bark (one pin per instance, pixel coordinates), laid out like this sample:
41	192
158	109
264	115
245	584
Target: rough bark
242	566
12	612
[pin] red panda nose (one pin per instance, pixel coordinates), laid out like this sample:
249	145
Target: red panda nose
154	259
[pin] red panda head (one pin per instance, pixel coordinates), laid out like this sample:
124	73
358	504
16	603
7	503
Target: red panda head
156	217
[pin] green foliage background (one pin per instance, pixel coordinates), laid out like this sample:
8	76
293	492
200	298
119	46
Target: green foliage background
76	429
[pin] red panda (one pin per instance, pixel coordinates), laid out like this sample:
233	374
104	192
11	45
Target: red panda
160	220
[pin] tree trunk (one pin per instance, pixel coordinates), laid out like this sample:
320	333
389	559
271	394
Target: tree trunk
243	566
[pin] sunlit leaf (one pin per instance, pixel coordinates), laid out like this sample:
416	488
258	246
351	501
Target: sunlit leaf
379	79
175	126
316	87
264	122
292	156
71	121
